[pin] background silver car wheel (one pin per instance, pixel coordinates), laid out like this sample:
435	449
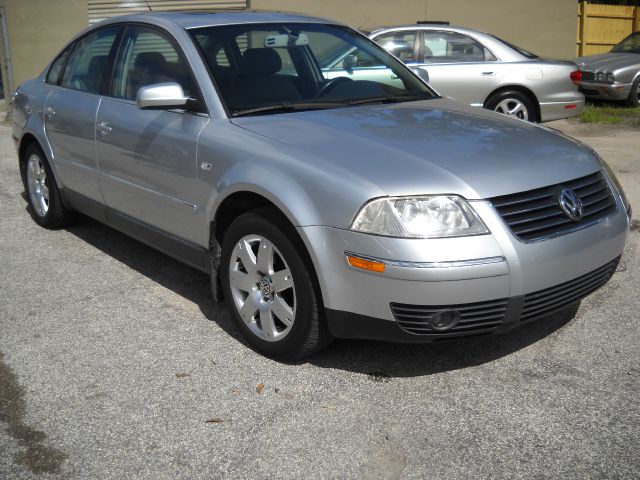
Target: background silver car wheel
513	108
38	185
262	288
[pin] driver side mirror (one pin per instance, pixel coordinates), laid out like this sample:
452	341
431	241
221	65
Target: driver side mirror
349	62
422	73
161	95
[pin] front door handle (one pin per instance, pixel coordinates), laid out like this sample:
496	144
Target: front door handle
50	112
104	128
488	74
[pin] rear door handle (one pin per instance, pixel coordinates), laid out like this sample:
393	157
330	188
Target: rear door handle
50	112
104	128
488	74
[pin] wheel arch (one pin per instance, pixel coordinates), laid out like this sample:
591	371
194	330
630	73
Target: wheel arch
518	88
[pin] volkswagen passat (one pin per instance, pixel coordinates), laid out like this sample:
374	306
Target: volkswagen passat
364	208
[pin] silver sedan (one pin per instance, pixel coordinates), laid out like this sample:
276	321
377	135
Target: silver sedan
614	75
485	71
320	207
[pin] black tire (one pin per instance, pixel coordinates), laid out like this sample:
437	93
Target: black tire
308	332
496	101
56	215
634	95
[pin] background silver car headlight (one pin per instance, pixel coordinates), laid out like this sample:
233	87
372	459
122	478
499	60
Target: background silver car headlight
428	216
610	78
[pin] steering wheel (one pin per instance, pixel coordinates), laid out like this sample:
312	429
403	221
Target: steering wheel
331	84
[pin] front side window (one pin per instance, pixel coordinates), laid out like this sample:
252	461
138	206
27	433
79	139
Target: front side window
289	66
452	47
148	57
53	75
402	44
87	64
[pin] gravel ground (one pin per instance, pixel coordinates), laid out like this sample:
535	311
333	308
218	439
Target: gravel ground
115	363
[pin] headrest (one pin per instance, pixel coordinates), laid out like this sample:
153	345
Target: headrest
150	60
97	64
260	61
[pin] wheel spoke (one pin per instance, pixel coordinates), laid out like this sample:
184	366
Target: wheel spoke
247	257
265	256
282	311
248	310
282	280
242	281
267	323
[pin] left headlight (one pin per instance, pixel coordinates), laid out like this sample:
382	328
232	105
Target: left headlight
428	216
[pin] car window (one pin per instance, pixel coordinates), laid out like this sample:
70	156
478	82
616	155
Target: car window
53	75
629	44
148	57
452	47
86	67
401	44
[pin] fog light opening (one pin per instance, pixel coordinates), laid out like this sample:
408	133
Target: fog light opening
444	320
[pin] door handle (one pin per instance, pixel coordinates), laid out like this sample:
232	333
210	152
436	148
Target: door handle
50	112
104	128
488	74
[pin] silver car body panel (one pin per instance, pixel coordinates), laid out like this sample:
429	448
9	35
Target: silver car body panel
172	170
475	82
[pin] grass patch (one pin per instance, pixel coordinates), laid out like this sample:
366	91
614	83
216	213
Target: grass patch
603	114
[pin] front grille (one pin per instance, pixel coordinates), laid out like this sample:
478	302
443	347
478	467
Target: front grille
535	214
588	76
544	302
478	316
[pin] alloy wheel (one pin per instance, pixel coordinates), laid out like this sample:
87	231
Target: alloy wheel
512	108
38	185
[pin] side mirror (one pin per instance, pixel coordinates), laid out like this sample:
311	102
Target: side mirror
422	73
161	95
349	62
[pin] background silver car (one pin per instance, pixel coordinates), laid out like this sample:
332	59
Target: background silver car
320	207
482	70
614	75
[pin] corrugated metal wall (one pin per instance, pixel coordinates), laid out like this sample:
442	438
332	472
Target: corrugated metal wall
100	9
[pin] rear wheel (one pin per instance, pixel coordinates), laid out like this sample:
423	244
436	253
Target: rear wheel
43	195
513	104
634	95
270	288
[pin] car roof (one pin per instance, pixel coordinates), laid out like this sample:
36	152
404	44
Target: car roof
188	20
429	26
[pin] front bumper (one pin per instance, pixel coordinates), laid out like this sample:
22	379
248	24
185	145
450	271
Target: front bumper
437	274
605	91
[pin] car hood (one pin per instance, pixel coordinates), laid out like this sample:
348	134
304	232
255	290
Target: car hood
607	62
432	146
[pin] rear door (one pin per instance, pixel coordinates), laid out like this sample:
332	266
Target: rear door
71	107
459	66
147	157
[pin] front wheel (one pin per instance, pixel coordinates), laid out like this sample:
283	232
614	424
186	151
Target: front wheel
513	104
634	95
270	288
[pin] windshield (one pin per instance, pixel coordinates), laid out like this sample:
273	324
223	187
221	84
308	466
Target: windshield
521	51
631	44
272	68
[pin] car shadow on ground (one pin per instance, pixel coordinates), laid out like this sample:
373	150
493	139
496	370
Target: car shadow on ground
380	360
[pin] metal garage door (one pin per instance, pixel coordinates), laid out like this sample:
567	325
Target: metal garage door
100	9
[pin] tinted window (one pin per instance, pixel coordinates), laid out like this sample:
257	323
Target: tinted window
148	57
451	47
53	75
521	51
401	44
87	64
629	44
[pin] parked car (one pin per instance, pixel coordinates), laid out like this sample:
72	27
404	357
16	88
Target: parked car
614	75
480	69
349	208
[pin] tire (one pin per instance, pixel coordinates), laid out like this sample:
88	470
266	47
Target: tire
43	195
513	104
634	95
274	299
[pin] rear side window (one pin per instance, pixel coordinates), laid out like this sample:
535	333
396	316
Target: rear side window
452	47
148	57
53	75
87	65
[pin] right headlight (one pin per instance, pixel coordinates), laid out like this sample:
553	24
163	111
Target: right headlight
426	216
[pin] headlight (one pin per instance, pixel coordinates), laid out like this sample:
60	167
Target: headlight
610	78
600	77
429	216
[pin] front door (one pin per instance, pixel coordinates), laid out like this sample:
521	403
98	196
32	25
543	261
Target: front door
147	158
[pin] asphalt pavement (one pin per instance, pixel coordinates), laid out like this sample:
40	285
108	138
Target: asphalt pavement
116	363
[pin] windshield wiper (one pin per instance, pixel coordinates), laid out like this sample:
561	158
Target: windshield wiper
409	97
287	107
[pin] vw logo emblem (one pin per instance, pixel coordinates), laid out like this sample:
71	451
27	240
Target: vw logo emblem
570	204
265	287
